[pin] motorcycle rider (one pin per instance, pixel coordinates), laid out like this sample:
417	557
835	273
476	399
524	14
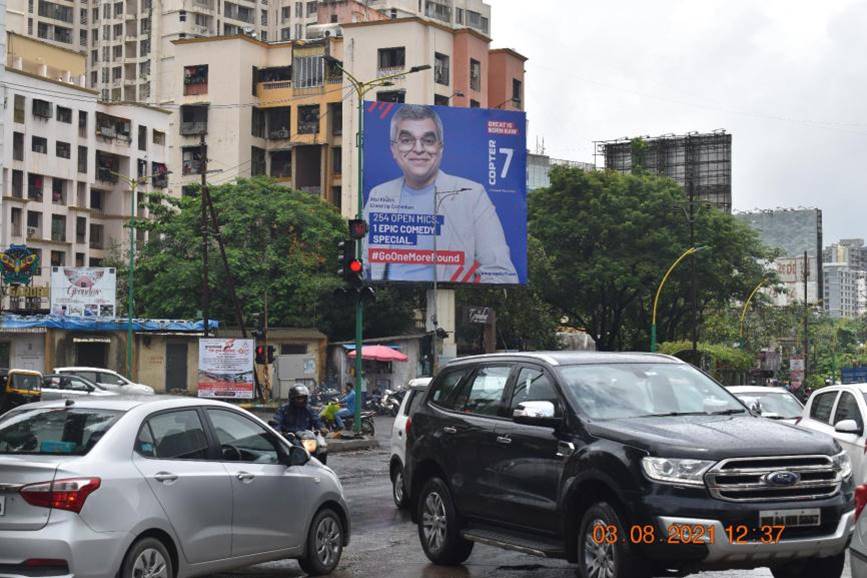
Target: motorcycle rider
297	415
347	402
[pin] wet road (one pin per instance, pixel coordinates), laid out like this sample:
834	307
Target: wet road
385	543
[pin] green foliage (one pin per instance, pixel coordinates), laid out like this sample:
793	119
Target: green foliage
610	237
721	356
279	242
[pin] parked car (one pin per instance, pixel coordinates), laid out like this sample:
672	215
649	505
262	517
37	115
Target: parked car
629	465
858	547
414	395
161	487
111	380
839	410
770	402
60	386
19	386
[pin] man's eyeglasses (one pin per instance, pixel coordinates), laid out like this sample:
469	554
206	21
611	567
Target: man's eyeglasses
406	143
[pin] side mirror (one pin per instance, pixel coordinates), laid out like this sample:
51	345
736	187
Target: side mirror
756	408
848	426
90	388
540	413
297	456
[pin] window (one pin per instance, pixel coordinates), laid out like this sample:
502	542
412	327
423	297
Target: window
459	15
446	386
196	79
41	108
159	137
820	410
475	104
142	138
79	259
80	229
534	385
438	11
391	96
257	124
43	431
475	75
17	184
335	112
18	146
117	52
82	159
286	34
96	198
293	349
34	186
392	58
482	395
242	440
517	95
307	71
16	222
264	18
299	9
192	159
58	193
257	161
308	119
337	160
82	119
62	150
39	145
441	68
64	114
847	408
19	108
311	8
440	100
58	259
285	13
96	240
299	31
177	435
34	219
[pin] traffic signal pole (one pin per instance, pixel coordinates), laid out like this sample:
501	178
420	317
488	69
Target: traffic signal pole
359	305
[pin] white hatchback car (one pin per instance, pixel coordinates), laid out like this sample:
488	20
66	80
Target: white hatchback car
772	402
111	380
414	395
840	410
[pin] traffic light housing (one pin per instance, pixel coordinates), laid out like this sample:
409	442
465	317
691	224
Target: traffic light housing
351	268
271	350
260	355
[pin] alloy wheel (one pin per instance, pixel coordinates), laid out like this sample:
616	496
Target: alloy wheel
398	487
598	556
434	521
150	564
328	541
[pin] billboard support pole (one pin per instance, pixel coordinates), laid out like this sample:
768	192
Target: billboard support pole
806	317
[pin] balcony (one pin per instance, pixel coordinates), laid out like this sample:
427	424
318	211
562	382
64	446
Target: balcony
34	194
275	85
106	175
194	120
193	128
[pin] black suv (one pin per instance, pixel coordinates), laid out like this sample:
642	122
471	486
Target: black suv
628	464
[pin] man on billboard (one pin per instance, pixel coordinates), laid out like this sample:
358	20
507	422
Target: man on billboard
445	217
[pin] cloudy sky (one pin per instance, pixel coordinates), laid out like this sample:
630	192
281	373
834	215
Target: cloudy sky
786	78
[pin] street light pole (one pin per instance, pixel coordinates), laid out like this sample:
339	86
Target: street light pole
361	88
687	253
747	304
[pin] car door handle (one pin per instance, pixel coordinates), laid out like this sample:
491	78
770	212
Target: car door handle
565	449
166	478
504	440
450	430
246	477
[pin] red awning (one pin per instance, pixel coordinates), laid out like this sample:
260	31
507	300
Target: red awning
380	353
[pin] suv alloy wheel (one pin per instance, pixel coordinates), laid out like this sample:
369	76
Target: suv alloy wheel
599	559
439	526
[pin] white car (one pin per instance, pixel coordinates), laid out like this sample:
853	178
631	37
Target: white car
839	410
109	379
772	402
413	397
59	386
858	546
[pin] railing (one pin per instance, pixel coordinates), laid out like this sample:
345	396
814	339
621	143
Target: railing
96	244
281	172
277	134
275	85
192	167
388	71
106	175
34	194
194	127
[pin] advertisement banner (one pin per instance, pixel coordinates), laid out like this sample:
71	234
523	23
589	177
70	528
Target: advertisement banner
84	292
226	368
448	186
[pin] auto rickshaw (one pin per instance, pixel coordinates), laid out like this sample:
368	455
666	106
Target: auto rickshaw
19	386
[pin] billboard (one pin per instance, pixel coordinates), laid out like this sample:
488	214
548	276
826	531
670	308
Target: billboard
226	368
84	292
448	186
790	271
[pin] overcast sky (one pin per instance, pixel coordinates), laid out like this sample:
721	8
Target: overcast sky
786	78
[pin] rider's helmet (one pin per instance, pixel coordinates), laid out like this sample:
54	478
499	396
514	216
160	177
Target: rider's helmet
299	394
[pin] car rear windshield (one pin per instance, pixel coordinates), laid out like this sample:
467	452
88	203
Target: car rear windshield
54	431
25	381
773	404
625	390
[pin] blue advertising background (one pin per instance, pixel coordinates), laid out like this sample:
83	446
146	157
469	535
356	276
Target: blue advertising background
466	154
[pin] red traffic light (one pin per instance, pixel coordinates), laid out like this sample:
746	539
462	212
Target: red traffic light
355	266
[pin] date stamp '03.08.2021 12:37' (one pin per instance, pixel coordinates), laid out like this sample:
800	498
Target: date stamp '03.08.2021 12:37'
687	534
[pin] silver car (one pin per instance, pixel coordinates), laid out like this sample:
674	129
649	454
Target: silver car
159	487
58	386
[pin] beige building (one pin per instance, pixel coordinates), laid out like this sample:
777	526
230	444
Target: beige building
62	195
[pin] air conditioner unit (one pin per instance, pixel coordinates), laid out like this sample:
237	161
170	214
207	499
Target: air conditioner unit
32	233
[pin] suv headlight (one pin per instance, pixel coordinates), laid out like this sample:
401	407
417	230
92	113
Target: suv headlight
843	464
676	471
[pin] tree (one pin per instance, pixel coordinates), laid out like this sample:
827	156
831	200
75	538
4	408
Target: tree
279	242
611	236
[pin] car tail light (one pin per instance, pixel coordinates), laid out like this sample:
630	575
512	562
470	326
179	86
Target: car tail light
860	499
408	425
68	494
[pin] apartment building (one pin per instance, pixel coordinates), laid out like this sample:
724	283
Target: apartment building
845	290
263	109
64	192
474	14
464	72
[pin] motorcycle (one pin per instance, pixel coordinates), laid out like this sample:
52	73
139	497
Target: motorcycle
390	402
312	441
368	426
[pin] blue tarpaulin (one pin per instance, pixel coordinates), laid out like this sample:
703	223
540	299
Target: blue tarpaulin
11	321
